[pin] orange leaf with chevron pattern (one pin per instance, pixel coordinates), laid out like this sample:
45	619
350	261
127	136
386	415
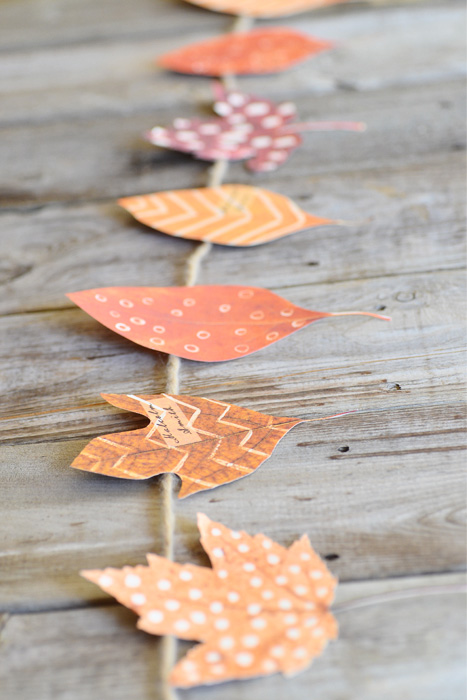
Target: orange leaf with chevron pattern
234	215
261	609
208	323
264	8
205	442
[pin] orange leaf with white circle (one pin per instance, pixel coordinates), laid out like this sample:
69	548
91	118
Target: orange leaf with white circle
210	323
261	609
258	51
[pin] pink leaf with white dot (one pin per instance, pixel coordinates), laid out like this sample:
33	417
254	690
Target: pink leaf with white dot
249	127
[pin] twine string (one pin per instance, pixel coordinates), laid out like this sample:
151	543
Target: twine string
216	174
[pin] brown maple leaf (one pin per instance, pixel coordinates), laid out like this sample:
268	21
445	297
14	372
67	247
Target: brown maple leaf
205	442
262	608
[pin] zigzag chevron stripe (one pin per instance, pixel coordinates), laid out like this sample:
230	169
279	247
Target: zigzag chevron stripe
206	443
235	215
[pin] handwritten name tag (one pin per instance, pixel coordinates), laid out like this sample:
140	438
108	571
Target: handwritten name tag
171	423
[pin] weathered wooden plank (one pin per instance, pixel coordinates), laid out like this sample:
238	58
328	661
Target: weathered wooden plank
76	358
49	24
55	249
366	487
412	220
375	50
342	363
56	522
408	648
29	23
99	157
79	87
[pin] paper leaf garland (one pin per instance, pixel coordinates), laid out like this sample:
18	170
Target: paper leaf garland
258	51
249	127
263	8
206	443
261	609
235	215
209	323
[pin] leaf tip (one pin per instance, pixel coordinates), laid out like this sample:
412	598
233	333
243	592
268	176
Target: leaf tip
148	136
203	522
319	220
91	575
109	397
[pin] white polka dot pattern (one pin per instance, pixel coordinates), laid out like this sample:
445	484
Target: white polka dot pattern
244	633
270	131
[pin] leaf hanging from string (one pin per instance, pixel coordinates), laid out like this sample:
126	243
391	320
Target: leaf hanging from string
261	609
235	215
209	323
264	8
249	127
206	443
257	51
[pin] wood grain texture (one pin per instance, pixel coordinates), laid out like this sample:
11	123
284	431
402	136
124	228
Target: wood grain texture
114	161
394	649
411	218
380	492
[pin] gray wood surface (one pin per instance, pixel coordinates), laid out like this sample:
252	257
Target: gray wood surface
78	87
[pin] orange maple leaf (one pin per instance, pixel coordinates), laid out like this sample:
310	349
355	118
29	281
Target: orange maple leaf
205	442
262	608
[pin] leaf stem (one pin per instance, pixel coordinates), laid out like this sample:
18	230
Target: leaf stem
326	126
359	313
336	415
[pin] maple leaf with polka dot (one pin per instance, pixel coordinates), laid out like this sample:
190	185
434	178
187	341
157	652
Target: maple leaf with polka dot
261	609
249	127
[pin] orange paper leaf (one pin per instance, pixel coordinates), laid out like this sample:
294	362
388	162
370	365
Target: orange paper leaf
209	323
263	8
258	51
261	609
206	443
236	215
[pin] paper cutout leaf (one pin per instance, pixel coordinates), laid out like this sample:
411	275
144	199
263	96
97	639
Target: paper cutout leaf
249	127
258	51
206	443
235	215
261	609
208	323
264	8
